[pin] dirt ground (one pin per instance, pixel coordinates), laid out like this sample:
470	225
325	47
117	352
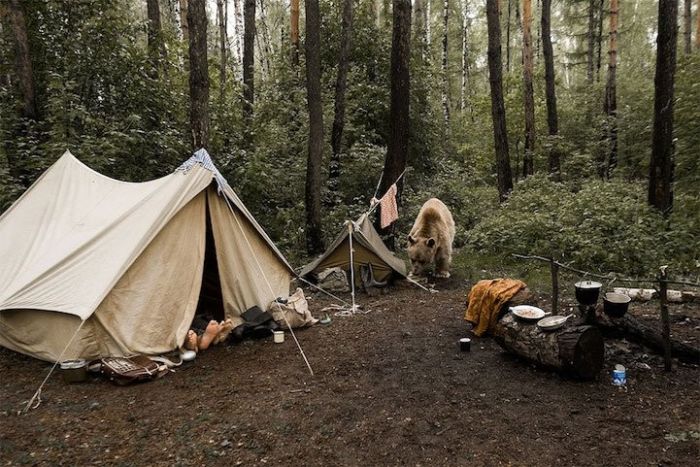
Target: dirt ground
390	388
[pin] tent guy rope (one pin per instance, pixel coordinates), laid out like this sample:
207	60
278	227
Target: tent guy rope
37	395
262	273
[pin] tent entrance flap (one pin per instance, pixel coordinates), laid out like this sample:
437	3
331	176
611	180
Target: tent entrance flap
211	302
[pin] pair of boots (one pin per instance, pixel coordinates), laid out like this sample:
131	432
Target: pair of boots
215	333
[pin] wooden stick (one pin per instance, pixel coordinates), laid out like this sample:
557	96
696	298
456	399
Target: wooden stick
554	268
665	320
610	276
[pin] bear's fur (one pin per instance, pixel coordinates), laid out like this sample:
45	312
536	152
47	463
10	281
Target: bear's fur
430	240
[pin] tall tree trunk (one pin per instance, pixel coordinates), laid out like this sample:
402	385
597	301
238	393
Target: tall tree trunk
184	29
266	42
340	87
611	96
599	60
688	22
183	22
528	93
510	9
23	60
498	111
661	166
156	47
539	34
199	73
552	119
399	122
697	27
420	28
294	31
445	74
222	48
465	94
428	27
248	59
24	71
314	241
238	34
590	36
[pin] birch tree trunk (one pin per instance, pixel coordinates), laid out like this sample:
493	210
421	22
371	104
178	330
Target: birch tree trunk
528	93
661	166
237	35
498	112
339	107
199	73
266	42
314	242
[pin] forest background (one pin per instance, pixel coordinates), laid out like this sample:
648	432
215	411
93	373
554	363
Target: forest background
112	81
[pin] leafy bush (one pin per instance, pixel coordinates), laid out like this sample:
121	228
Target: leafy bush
606	226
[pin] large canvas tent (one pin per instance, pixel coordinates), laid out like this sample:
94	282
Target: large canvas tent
368	249
116	268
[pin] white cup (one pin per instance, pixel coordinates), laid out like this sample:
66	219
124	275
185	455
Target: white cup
278	336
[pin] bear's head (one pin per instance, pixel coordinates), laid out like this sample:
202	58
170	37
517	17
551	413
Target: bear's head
421	252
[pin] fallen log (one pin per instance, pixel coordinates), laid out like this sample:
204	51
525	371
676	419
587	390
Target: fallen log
574	349
631	328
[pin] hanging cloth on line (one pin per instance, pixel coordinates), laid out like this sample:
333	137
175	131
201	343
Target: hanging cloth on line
389	211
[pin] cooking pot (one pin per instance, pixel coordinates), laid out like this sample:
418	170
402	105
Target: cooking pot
587	292
616	304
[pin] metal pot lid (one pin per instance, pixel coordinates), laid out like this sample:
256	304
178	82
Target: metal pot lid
588	285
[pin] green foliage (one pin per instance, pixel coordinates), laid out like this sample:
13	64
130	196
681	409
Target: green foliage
605	226
100	99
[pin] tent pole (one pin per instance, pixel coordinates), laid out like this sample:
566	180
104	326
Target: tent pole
352	267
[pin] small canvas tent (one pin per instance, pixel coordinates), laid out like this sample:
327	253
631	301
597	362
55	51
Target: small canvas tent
102	267
368	249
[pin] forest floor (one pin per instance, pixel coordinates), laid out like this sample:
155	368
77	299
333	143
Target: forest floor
390	388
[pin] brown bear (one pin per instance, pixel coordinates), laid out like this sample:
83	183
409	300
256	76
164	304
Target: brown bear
431	239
